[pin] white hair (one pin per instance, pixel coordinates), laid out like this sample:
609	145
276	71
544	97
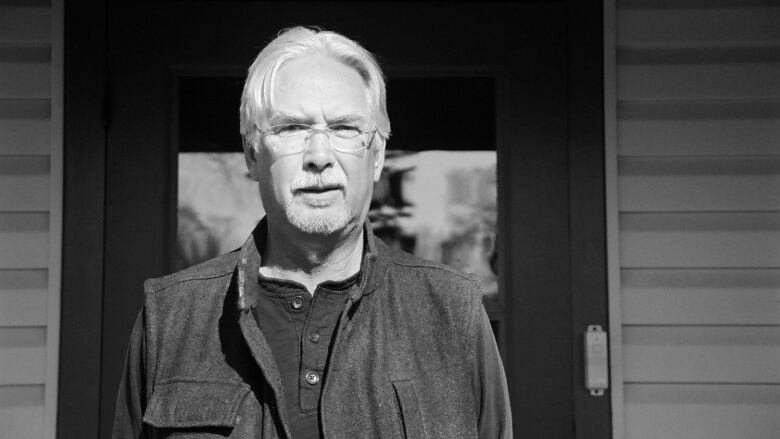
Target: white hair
258	96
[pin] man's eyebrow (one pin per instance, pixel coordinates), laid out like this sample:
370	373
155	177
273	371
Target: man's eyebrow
350	117
279	117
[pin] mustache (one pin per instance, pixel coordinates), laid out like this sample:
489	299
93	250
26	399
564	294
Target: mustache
328	178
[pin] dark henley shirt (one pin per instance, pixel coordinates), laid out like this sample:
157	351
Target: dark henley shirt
299	329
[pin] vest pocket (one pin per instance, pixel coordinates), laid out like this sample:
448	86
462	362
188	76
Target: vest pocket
194	406
409	406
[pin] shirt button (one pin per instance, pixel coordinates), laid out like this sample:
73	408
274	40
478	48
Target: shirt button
297	302
314	337
312	378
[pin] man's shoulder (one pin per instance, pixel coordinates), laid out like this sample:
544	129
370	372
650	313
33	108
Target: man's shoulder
411	262
433	276
214	268
440	301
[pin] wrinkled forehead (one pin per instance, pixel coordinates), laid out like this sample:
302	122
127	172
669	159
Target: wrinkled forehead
316	81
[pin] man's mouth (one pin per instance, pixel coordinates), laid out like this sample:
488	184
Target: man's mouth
319	189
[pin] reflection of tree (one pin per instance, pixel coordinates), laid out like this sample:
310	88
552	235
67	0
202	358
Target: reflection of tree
388	205
195	242
225	169
472	215
218	205
451	217
227	174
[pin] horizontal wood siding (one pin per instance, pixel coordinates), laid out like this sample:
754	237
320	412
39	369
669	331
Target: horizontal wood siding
709	296
23	355
25	136
23	304
24	183
721	137
697	159
702	411
30	216
701	354
21	411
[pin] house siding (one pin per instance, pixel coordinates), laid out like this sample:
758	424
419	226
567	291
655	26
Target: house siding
693	163
31	85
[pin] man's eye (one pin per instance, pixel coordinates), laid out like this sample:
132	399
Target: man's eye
290	129
345	129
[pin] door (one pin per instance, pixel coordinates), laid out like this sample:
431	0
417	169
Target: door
544	116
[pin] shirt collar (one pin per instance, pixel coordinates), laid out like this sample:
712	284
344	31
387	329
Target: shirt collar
250	256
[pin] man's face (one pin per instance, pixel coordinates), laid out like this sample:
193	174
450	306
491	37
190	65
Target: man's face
319	190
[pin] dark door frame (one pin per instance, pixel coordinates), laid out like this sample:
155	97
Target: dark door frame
558	245
81	309
587	204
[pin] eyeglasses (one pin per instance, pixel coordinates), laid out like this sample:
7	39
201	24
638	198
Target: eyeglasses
291	138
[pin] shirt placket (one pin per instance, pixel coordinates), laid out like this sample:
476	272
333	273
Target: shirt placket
314	348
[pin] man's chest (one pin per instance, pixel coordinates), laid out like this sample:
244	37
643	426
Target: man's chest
299	329
393	371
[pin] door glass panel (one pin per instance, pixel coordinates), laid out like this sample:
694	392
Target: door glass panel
441	205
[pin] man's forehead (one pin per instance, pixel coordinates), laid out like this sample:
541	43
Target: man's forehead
318	73
316	86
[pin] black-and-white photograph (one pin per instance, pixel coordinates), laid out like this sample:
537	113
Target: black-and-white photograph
442	220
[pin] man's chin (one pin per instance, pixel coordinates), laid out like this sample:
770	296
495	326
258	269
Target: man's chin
319	221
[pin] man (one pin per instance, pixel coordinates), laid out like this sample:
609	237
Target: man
314	328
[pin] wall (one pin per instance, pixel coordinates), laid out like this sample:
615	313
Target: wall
693	169
30	215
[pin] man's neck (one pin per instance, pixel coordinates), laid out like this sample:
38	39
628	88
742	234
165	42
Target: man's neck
312	259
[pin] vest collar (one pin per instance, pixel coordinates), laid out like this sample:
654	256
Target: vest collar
372	268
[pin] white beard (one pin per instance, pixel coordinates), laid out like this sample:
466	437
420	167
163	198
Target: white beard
318	221
321	221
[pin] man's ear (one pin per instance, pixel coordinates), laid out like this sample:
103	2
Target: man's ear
250	155
379	157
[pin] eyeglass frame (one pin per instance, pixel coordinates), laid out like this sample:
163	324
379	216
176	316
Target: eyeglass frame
328	131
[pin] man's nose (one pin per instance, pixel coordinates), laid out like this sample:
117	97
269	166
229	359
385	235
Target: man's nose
318	153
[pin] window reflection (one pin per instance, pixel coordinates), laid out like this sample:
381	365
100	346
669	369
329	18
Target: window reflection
439	205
